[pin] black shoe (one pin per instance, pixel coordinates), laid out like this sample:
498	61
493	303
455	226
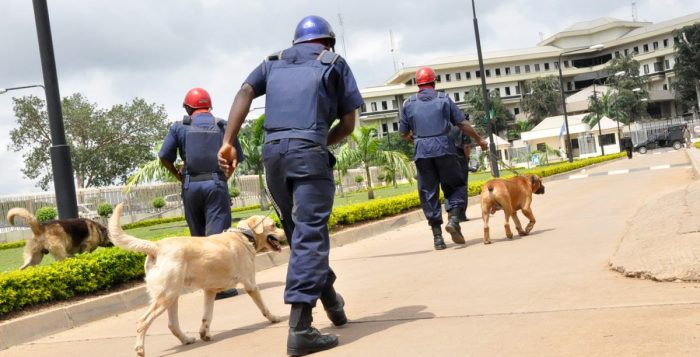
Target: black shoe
452	227
337	313
472	169
226	294
304	338
438	242
310	340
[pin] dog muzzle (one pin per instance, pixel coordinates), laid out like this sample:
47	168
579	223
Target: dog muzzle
540	191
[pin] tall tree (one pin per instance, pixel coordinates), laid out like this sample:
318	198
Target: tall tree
252	144
475	100
542	98
623	76
106	145
687	67
599	106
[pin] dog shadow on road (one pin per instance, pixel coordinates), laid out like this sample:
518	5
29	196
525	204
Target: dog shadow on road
369	325
477	241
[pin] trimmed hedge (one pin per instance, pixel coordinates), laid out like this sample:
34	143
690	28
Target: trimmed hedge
83	274
87	273
12	245
697	145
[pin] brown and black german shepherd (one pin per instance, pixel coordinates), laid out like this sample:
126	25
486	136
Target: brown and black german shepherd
62	238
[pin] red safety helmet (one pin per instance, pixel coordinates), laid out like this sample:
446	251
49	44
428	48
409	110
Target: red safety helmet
425	75
197	98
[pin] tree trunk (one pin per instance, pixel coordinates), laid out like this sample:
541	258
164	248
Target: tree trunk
340	183
370	192
264	205
697	93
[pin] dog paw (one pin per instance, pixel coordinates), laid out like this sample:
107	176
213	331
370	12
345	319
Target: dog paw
274	319
487	242
204	335
140	351
189	340
509	236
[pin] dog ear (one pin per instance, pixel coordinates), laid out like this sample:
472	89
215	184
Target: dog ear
257	225
533	180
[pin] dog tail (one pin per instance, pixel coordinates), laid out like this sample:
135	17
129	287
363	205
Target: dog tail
125	241
496	205
36	227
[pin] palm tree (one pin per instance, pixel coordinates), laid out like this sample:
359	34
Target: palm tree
342	164
252	145
152	171
366	152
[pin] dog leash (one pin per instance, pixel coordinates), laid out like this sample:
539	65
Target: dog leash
508	167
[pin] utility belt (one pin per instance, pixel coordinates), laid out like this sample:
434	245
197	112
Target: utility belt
206	177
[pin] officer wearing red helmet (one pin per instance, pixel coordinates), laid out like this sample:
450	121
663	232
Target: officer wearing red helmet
307	88
426	119
204	188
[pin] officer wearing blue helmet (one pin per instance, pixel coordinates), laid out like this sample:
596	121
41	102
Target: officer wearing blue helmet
307	88
426	119
204	189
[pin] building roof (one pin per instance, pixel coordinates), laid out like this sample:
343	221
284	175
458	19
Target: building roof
693	17
552	127
591	24
580	101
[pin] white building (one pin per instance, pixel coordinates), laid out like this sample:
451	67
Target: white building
507	71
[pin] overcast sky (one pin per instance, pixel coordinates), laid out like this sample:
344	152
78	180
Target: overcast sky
113	51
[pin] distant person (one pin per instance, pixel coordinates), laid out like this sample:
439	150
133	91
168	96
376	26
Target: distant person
426	119
628	145
686	136
205	194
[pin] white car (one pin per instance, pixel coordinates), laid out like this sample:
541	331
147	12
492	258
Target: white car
84	211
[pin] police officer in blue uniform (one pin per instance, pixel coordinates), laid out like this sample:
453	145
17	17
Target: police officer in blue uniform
307	88
426	119
205	194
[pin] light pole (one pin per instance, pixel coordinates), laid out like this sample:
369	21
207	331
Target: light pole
597	112
597	47
5	90
487	104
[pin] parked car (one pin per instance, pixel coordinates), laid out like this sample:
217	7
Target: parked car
172	201
670	137
85	211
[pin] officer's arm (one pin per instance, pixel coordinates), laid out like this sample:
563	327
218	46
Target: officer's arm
408	136
343	129
171	168
467	129
228	155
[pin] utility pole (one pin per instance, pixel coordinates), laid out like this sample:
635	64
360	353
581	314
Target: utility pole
393	50
487	104
342	34
61	166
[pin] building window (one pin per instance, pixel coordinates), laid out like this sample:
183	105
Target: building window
469	75
477	74
655	45
658	67
665	86
665	42
466	94
516	110
617	54
517	69
385	129
438	79
556	65
517	89
373	106
394	104
626	52
646	48
456	96
498	91
667	64
448	78
507	90
546	66
385	105
395	126
527	68
498	71
636	50
607	139
675	40
646	69
458	76
568	86
507	71
537	67
541	147
488	73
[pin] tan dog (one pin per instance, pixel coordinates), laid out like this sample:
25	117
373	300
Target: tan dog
62	238
213	264
510	195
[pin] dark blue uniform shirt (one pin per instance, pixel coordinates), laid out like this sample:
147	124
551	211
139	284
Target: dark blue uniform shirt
434	146
341	90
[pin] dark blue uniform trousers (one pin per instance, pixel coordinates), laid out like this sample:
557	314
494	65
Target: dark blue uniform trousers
300	179
440	172
464	167
207	207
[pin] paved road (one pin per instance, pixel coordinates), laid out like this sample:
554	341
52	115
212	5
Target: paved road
548	294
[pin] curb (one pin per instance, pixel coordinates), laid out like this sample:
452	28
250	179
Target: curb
42	324
694	157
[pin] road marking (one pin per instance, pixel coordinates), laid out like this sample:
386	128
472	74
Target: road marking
618	172
657	153
660	167
575	177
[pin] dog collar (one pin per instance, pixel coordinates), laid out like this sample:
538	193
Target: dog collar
248	234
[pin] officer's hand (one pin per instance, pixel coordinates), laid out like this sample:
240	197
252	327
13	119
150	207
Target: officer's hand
228	159
483	144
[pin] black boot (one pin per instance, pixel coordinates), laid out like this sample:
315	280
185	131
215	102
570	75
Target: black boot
437	238
453	227
226	294
334	305
304	338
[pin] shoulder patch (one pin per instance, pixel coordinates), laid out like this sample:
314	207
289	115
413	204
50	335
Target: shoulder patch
328	57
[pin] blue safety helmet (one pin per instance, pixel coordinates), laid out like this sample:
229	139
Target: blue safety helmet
313	28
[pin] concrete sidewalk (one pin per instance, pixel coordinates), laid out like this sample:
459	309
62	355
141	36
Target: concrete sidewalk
547	294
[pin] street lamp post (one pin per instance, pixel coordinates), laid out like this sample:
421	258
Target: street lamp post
597	112
5	90
598	47
487	104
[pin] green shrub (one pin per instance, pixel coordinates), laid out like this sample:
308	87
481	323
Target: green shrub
359	178
104	209
83	274
158	202
697	145
12	245
234	192
45	214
